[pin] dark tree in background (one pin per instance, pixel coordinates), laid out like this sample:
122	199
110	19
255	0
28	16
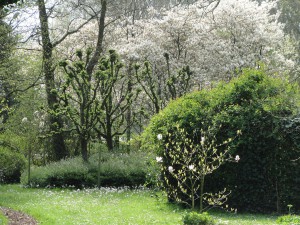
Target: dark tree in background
7	2
8	70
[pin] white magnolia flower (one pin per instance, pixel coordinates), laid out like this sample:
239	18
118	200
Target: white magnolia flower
191	167
171	169
42	124
159	159
202	140
237	158
159	136
25	120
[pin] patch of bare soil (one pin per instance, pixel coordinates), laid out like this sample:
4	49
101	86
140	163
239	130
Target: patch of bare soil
17	218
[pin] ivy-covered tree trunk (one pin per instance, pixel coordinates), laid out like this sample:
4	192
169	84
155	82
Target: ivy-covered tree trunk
58	144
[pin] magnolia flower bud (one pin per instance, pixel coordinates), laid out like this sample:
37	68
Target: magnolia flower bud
191	167
171	169
159	159
159	136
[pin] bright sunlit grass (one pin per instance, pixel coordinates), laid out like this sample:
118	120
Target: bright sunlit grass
3	219
105	206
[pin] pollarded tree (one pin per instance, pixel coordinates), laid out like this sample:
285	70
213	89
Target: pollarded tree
46	35
117	93
96	102
48	46
78	99
159	90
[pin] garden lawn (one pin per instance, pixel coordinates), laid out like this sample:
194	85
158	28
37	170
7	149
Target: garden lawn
105	206
3	219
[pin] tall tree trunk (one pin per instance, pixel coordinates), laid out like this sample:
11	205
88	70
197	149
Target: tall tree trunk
84	148
101	26
58	144
129	112
109	136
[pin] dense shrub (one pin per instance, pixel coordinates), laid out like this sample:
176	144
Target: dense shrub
116	170
12	164
265	109
194	218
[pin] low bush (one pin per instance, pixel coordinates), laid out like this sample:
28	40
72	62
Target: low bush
116	170
288	220
194	218
12	164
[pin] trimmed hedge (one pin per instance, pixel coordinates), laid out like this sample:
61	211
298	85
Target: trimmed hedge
116	170
266	110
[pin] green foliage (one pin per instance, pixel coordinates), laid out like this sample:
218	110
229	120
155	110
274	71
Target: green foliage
12	165
194	218
288	220
266	110
115	170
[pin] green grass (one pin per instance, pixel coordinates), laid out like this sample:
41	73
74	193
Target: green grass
3	219
106	206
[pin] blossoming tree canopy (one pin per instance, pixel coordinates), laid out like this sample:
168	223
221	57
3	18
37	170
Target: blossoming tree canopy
236	34
213	43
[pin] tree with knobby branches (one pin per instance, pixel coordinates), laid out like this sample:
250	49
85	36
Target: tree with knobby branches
97	102
117	94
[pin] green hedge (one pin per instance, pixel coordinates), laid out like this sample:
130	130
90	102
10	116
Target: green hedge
266	110
12	164
116	169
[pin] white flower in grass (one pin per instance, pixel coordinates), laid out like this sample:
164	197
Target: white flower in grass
159	136
192	167
25	120
171	169
159	159
237	158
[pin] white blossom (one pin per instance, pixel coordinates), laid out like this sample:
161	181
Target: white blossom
25	120
159	136
202	140
159	159
237	158
42	124
192	167
171	169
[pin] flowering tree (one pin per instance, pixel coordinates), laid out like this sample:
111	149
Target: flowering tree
186	161
214	43
214	39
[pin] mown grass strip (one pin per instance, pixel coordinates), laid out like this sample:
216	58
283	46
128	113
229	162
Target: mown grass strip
106	207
